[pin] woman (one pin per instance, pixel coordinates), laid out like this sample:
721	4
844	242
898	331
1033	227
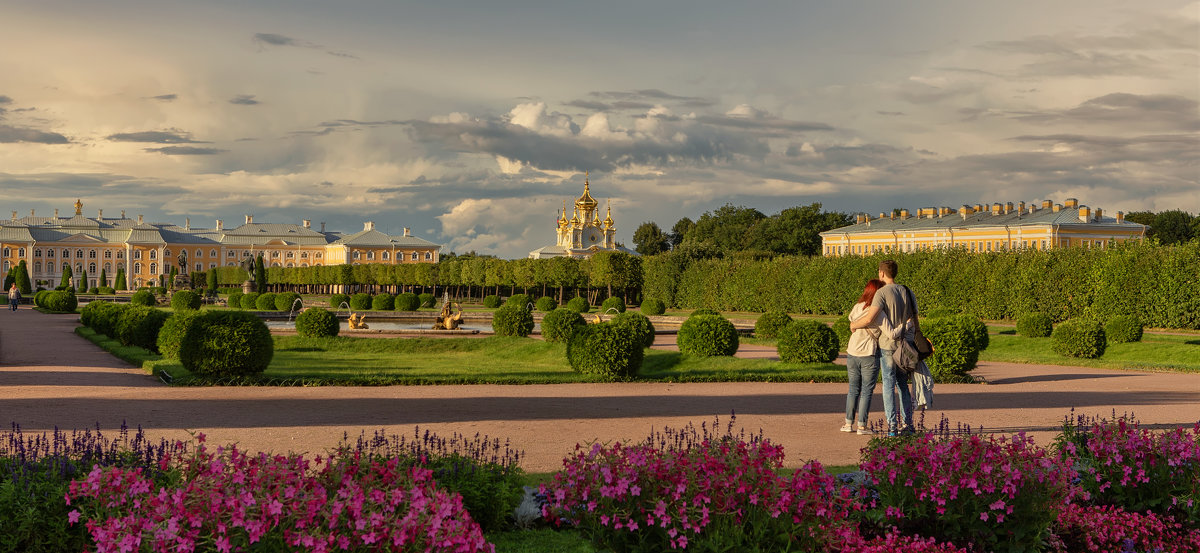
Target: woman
862	363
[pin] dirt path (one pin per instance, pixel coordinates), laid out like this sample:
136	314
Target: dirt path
49	377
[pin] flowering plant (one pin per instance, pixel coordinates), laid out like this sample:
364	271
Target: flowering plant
1106	528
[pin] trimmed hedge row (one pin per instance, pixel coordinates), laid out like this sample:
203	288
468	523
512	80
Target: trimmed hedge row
1035	325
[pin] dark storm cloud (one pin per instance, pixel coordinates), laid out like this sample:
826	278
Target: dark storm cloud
157	137
244	100
1158	110
113	186
10	134
5	99
186	151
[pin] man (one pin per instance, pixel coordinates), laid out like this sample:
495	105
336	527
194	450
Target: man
898	308
14	297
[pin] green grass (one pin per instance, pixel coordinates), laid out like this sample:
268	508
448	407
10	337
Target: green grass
542	540
133	355
1156	352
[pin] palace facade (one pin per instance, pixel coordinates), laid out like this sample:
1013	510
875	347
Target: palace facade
147	251
982	228
584	234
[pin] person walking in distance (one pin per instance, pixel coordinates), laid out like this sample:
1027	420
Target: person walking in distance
14	297
898	306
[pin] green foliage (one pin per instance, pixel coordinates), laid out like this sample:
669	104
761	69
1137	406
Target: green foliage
61	301
336	300
559	324
522	300
39	298
955	349
426	300
807	341
143	298
119	282
185	299
285	301
384	302
88	312
265	301
1123	329
23	282
639	325
260	274
1035	325
841	327
139	326
546	304
605	351
707	336
978	329
770	324
491	302
360	301
105	316
1079	338
211	280
234	300
93	290
407	301
317	323
66	277
249	301
704	311
649	239
227	344
512	320
653	307
170	336
940	313
614	302
579	304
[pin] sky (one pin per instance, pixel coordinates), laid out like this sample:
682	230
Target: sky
471	122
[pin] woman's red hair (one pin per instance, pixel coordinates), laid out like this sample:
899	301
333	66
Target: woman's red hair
868	294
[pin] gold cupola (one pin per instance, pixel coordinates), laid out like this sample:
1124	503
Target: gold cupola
586	203
608	222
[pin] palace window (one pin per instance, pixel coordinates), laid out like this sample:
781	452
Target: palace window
91	268
137	254
107	267
356	254
7	252
37	253
21	252
66	266
414	256
166	252
318	254
79	254
37	266
78	268
91	254
212	253
199	266
212	265
120	254
153	255
428	256
303	255
290	265
371	255
66	254
107	254
137	268
200	253
384	255
274	255
7	267
291	254
232	254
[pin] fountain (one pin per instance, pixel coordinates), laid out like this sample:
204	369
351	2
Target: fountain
338	311
446	321
598	320
356	322
292	310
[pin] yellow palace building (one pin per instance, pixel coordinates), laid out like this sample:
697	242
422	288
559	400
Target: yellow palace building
983	228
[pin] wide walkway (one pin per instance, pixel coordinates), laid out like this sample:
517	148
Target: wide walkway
49	377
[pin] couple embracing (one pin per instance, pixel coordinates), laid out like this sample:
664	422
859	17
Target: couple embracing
883	319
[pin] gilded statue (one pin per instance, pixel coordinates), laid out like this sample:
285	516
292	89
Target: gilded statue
446	321
357	321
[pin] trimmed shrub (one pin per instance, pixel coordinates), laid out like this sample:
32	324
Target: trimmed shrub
105	318
336	301
639	325
955	351
653	307
546	304
579	304
1035	325
613	302
170	336
89	312
105	290
807	341
249	301
61	301
234	300
491	302
704	311
979	330
185	299
770	324
707	336
227	343
317	323
1123	329
384	302
605	351
143	297
139	326
940	312
360	301
841	327
559	324
407	301
93	290
426	300
512	320
284	301
265	301
522	300
39	298
1079	338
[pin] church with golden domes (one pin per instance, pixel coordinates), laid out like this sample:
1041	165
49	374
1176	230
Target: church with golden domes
584	233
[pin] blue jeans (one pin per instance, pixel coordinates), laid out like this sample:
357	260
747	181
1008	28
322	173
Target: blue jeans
893	378
12	304
862	373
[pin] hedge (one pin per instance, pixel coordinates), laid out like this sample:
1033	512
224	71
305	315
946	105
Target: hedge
1079	338
1035	325
407	301
639	325
60	301
579	304
265	301
360	301
491	302
707	336
605	351
807	341
336	301
105	316
384	302
317	323
426	300
249	301
227	343
704	311
546	304
185	299
143	297
955	347
653	307
522	300
139	326
841	327
1123	329
170	336
769	324
512	320
286	301
559	324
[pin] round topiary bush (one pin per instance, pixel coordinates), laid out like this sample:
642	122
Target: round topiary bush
770	324
707	336
61	301
491	302
1079	338
639	325
185	299
979	330
360	301
265	301
522	300
286	301
705	311
407	301
249	301
234	300
1035	325
426	300
384	302
841	327
579	304
170	336
605	351
807	341
39	298
653	307
105	318
1123	329
336	301
227	343
512	320
613	302
955	350
317	323
142	297
559	324
546	304
139	326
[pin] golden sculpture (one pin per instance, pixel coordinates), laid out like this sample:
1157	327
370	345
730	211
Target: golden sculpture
446	321
356	321
78	207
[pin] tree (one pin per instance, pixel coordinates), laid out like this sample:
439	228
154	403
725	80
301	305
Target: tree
22	278
66	276
260	274
795	230
726	227
83	282
680	230
1141	218
103	277
1172	227
649	239
212	279
119	280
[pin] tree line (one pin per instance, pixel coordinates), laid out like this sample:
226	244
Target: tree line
734	229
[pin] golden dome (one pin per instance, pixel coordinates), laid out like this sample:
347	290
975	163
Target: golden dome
608	222
586	202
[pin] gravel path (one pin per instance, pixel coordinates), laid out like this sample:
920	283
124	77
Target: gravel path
49	377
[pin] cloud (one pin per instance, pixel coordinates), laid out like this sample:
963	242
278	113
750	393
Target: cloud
186	151
272	39
158	137
11	134
165	97
648	97
589	104
1140	110
748	117
244	100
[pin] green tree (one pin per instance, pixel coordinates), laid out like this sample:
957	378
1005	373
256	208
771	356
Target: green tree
1172	227
649	239
794	231
1141	217
22	278
103	277
726	227
680	230
83	282
66	275
119	280
212	279
260	274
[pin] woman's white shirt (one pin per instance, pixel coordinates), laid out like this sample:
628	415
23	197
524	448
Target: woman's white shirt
864	342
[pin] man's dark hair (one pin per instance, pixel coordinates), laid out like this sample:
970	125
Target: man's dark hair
889	268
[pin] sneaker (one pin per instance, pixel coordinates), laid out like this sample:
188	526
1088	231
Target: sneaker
908	431
892	433
864	431
847	427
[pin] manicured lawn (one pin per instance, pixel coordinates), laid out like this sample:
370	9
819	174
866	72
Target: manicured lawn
1155	352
